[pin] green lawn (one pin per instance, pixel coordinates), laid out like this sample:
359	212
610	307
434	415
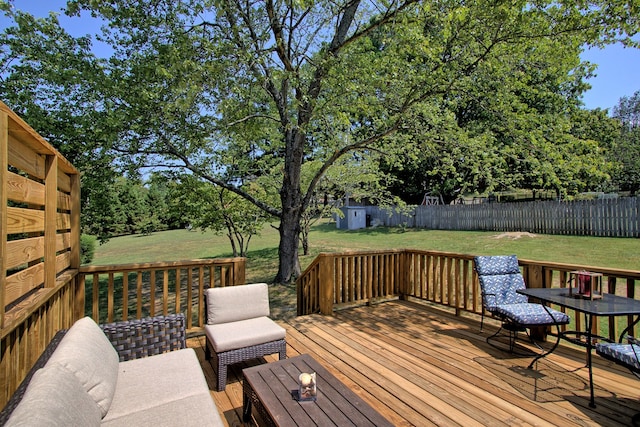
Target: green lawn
263	251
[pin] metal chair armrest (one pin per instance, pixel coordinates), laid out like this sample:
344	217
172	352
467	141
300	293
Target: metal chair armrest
632	340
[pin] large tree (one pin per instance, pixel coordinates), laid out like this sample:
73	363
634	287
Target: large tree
627	148
516	124
235	90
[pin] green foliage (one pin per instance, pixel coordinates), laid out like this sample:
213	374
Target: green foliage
87	248
627	148
130	206
526	134
55	83
214	208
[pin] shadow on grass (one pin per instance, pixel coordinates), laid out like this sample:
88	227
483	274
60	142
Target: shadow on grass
330	227
262	266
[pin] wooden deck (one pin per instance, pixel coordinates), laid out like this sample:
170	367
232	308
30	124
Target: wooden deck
421	366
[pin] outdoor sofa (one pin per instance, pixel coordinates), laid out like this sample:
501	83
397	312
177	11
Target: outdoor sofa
135	373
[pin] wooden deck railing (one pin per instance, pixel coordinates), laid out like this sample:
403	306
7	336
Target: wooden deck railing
340	280
122	292
337	280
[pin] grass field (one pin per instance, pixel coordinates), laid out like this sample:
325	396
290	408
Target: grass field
262	260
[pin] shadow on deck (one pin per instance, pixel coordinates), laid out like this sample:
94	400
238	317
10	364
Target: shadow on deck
422	366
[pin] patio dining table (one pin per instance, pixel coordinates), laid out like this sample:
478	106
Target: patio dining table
608	305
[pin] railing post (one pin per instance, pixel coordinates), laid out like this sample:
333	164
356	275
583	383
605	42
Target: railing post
75	260
406	276
239	266
325	282
4	165
534	278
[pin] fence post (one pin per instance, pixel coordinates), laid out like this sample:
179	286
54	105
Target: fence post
325	281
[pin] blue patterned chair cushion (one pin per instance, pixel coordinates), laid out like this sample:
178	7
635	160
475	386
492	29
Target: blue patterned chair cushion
500	278
531	314
501	290
625	354
497	265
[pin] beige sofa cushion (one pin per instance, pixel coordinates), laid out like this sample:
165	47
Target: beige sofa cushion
151	382
233	303
55	397
243	333
86	351
193	411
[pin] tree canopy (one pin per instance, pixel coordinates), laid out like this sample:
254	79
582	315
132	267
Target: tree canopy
627	147
234	92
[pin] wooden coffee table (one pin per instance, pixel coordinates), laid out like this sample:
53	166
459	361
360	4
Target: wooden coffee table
271	389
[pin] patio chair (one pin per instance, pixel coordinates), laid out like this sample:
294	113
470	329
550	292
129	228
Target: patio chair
238	327
500	278
626	355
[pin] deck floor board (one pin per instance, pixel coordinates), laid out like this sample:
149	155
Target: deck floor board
419	365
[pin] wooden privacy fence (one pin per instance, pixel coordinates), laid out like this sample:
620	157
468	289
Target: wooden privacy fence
338	280
602	217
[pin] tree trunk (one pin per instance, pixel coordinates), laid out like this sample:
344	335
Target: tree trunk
291	198
305	239
289	265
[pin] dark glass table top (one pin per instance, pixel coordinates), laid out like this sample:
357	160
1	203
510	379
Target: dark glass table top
608	305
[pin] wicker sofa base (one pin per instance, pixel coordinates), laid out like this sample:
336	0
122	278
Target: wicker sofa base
223	359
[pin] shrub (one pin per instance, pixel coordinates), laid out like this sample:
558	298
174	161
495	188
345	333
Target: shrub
87	248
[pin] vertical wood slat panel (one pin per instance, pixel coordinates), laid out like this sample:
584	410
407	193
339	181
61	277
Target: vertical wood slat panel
370	277
22	346
125	295
110	295
152	293
139	295
631	293
50	220
165	292
178	293
189	301
177	290
95	296
201	301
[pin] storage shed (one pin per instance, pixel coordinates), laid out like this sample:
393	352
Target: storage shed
355	217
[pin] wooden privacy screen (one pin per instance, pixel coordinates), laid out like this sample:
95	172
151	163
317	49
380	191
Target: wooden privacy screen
40	247
40	214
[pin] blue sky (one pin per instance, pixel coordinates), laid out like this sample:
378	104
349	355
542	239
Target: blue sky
618	72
